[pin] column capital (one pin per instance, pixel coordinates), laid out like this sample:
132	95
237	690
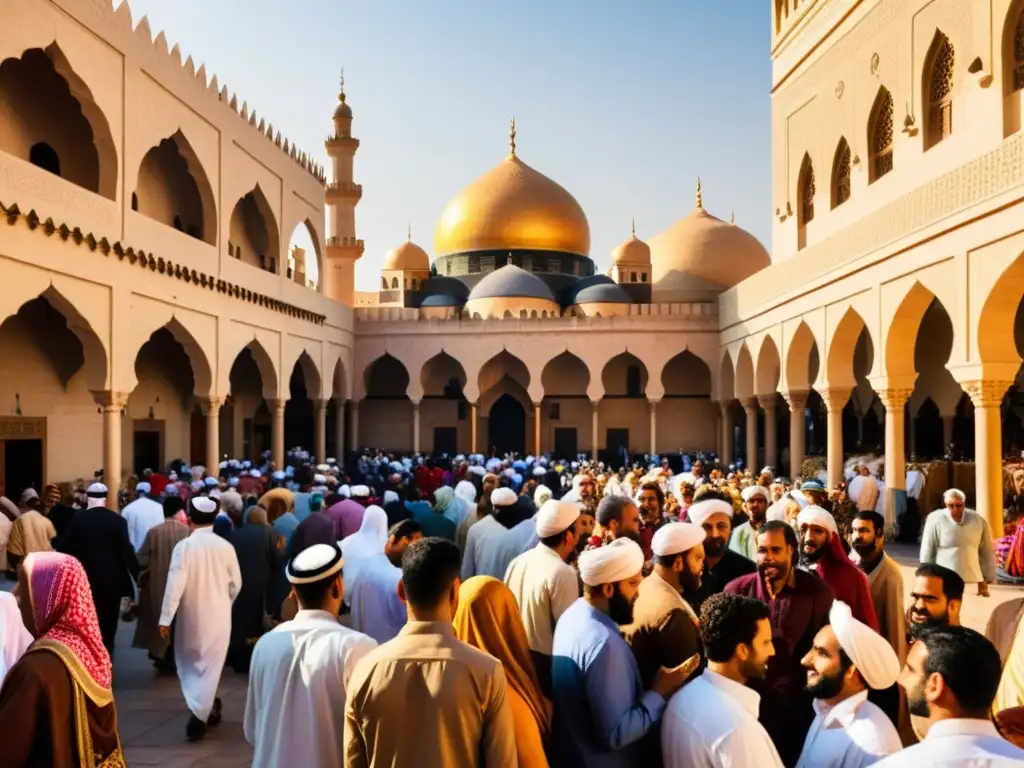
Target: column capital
277	406
796	398
653	402
986	393
211	405
110	401
725	406
769	401
894	398
321	404
835	398
415	403
750	404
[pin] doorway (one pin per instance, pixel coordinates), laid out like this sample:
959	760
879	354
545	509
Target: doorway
445	440
22	466
617	446
565	443
507	426
147	451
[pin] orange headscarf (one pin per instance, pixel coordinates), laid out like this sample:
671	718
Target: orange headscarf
488	618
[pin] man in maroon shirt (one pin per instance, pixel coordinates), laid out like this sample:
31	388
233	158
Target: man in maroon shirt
799	603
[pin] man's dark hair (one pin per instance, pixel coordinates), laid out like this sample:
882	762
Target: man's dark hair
969	664
952	583
657	491
726	621
786	528
404	529
666	560
876	520
429	566
611	508
709	493
313	595
412	492
173	505
304	475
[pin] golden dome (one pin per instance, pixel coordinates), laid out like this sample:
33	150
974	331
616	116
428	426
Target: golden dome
634	251
513	207
408	256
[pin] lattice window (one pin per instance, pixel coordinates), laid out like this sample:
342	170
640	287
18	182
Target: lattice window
841	174
806	192
940	90
881	136
1018	53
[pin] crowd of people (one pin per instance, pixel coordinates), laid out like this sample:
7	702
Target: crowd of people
507	611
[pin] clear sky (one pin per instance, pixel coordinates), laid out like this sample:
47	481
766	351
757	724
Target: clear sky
622	103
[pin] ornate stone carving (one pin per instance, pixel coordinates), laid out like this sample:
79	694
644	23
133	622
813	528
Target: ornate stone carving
835	397
840	87
875	61
211	405
985	393
796	399
894	398
110	401
19	428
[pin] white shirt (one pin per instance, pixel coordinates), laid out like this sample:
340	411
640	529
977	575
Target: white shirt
544	586
963	743
202	583
711	722
852	734
141	515
377	610
295	709
481	549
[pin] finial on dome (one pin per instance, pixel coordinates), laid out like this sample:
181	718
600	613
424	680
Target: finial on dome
509	262
633	227
408	233
341	92
732	215
700	198
512	141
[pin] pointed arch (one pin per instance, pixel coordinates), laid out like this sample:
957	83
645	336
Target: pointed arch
386	378
253	235
339	382
565	374
839	365
769	368
687	375
500	366
880	136
1013	48
801	352
310	374
624	375
744	372
938	86
841	173
305	237
805	199
901	338
726	378
443	376
174	189
994	335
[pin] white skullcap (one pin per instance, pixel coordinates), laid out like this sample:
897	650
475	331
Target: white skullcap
869	651
617	561
315	563
503	497
755	490
815	515
143	487
323	468
541	494
319	479
360	491
554	517
390	496
674	538
97	490
345	491
539	471
702	510
204	507
776	511
255	473
476	469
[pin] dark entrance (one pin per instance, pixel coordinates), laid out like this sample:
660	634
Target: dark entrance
22	466
617	447
445	440
147	451
507	426
565	443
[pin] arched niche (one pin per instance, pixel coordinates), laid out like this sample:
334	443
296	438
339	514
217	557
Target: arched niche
386	378
443	376
625	375
308	260
174	189
253	238
768	369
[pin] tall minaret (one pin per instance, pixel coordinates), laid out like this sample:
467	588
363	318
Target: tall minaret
341	197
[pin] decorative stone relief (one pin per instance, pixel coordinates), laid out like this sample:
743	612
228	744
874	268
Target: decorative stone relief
840	87
894	399
986	393
875	61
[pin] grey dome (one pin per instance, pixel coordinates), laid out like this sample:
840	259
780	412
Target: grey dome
441	300
603	293
448	286
569	295
511	282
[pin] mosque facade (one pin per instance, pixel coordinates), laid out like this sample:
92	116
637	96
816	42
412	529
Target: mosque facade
155	312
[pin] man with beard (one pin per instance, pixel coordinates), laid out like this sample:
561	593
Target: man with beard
935	598
823	549
799	603
744	537
665	629
951	677
884	579
712	721
713	512
617	518
846	659
601	708
651	501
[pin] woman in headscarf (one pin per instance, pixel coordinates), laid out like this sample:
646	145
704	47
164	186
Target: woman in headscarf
450	505
64	677
488	618
14	638
361	546
466	491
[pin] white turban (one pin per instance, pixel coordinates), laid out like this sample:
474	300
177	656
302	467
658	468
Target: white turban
345	491
755	490
869	651
319	479
776	511
360	491
143	487
674	538
555	516
96	495
815	515
390	497
541	494
617	561
702	510
503	497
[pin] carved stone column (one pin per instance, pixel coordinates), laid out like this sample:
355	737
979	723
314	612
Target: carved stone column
415	426
654	425
727	434
835	400
987	396
750	406
797	401
277	431
211	410
894	400
771	434
472	427
536	429
112	405
320	430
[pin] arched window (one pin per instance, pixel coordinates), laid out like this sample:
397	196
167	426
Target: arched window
42	155
632	277
383	283
1018	53
807	191
841	174
880	136
394	283
135	207
939	84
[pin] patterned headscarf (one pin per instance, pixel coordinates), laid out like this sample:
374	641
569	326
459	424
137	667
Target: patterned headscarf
64	612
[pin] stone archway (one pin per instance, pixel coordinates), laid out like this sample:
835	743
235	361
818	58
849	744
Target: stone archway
174	189
686	407
507	426
443	413
386	414
566	411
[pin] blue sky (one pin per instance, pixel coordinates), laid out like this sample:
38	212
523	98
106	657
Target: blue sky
623	104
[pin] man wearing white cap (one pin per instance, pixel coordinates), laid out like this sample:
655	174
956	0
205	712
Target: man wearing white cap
712	511
744	537
665	630
846	659
481	555
542	581
202	583
295	708
142	514
601	709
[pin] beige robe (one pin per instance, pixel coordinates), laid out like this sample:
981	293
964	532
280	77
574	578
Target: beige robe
665	631
30	533
154	562
886	585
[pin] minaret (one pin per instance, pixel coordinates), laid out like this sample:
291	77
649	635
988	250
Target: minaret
341	196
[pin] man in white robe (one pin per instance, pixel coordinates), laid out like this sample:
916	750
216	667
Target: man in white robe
141	515
377	610
203	581
295	709
847	658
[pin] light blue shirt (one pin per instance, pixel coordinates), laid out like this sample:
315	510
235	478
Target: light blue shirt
285	525
301	509
600	706
377	610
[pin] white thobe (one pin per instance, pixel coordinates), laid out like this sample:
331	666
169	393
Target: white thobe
203	581
958	743
852	734
965	547
712	721
377	610
141	515
295	708
544	586
481	548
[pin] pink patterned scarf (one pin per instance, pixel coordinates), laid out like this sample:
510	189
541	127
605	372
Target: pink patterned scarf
63	610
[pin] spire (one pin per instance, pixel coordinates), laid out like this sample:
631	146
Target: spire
512	138
341	91
408	233
633	228
732	215
700	198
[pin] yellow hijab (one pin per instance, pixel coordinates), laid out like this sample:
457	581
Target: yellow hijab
488	618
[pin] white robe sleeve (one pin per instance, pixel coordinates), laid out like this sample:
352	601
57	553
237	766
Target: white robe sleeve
234	576
176	578
252	700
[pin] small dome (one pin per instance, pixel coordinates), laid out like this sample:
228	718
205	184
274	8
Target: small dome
511	282
447	286
343	110
407	256
634	252
568	295
441	300
603	293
